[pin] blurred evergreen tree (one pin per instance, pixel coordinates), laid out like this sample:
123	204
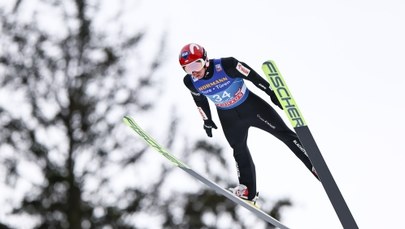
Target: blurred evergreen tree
69	82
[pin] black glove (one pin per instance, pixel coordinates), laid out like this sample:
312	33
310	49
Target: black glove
274	99
208	125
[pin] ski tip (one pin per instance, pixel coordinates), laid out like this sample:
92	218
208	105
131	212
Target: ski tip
126	118
268	62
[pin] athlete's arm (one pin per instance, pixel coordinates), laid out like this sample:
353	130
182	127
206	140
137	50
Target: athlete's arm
200	100
235	68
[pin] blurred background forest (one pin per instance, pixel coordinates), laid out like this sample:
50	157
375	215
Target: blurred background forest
69	72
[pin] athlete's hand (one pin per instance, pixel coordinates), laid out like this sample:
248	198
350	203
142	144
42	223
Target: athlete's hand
208	125
274	99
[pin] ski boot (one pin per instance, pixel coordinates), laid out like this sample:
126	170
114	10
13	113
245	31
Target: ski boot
242	192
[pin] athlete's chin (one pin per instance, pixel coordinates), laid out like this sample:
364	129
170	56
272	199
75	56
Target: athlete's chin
199	76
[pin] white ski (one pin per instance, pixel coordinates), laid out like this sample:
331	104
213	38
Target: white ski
261	214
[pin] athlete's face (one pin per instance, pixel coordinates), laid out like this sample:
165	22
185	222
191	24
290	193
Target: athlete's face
199	74
196	68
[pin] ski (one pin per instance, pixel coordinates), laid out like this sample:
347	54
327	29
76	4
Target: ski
259	213
290	108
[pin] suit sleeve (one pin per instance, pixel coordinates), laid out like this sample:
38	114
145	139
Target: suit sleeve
200	100
236	68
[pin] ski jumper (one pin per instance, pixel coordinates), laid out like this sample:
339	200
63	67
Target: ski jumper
238	110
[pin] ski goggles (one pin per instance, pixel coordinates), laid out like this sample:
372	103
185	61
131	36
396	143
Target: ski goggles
194	66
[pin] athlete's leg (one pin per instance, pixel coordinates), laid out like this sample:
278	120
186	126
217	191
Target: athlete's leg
266	118
236	134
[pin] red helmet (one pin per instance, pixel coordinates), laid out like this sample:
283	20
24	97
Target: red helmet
192	56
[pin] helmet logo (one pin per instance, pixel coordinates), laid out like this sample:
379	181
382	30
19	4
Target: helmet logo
192	46
185	55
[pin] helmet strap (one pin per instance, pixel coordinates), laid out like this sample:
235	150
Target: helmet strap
207	63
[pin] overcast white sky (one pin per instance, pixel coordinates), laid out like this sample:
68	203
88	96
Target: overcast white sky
343	62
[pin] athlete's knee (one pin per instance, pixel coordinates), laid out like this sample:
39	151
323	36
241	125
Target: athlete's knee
240	148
